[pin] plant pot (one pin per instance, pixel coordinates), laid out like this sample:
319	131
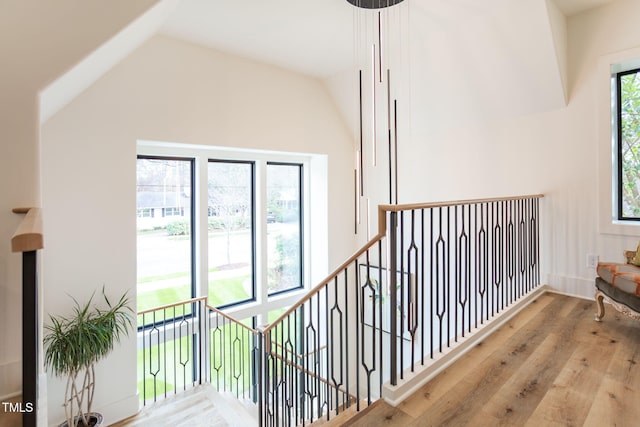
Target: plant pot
95	420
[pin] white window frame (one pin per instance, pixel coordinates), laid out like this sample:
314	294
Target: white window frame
608	67
315	214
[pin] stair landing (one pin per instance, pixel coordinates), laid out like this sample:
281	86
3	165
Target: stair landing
201	406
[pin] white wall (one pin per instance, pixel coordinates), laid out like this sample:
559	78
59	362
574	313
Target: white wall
554	152
166	91
509	144
38	42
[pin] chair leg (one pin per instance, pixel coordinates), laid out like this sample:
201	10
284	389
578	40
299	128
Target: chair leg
600	305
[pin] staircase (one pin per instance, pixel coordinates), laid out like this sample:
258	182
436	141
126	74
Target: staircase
433	277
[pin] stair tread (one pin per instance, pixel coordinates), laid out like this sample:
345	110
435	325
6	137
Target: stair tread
349	414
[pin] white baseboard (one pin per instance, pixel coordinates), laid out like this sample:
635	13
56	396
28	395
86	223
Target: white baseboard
120	410
412	381
113	412
10	379
43	415
572	286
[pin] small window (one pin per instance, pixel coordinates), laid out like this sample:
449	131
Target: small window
628	144
145	213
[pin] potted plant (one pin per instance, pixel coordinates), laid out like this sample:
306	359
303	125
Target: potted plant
73	346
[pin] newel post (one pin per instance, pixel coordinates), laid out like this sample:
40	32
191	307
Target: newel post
27	240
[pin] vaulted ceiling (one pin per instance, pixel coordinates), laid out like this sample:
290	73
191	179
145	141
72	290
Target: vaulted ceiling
314	37
472	56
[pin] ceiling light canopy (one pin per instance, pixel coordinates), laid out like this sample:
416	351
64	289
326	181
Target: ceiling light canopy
374	4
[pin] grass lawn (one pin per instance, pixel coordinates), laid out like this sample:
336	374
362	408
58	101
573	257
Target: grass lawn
168	367
221	291
169	373
164	362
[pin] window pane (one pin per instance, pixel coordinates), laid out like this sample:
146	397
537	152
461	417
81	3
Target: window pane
630	144
231	249
164	242
284	223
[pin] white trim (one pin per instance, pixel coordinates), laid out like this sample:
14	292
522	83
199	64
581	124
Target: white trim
120	410
607	65
10	396
315	219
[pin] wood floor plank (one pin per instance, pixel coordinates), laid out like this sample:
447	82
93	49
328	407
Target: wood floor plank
461	402
619	391
381	415
11	419
570	397
554	366
468	363
519	396
615	404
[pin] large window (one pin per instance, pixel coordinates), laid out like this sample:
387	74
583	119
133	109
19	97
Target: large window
165	242
231	232
231	229
284	226
628	144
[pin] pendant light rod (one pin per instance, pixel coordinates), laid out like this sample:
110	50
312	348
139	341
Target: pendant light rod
374	4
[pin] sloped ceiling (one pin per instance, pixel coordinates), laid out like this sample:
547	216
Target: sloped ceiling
495	40
82	75
315	37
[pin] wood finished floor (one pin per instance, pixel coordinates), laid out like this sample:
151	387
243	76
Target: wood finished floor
10	419
552	365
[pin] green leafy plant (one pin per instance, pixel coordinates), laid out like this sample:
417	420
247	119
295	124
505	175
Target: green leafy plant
178	228
75	343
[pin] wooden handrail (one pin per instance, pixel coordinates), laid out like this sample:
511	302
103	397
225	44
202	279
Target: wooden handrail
175	304
301	368
382	231
383	209
28	237
232	319
324	283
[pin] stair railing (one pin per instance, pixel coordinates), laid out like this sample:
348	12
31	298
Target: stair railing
172	352
433	274
458	265
234	354
338	329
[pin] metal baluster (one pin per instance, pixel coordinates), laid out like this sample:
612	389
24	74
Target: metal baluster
412	323
164	347
393	297
431	285
456	267
346	319
446	267
359	323
144	363
422	293
380	316
393	313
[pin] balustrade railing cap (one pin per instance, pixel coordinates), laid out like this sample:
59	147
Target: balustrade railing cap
28	237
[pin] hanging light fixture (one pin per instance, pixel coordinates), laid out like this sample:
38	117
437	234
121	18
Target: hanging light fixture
380	38
374	4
